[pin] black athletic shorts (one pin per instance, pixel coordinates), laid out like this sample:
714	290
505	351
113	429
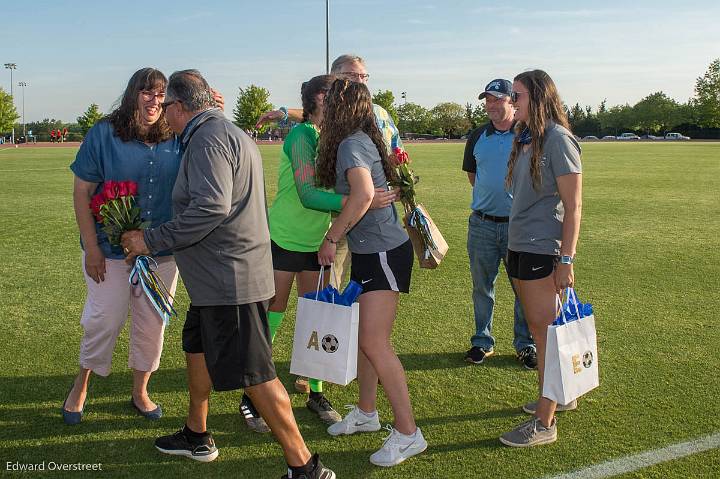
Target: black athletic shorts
384	271
293	261
528	266
236	342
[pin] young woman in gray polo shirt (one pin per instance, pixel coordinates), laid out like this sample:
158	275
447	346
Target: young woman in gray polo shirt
544	175
352	158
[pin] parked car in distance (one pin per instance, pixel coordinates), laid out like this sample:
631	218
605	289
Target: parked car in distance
676	136
651	137
589	138
628	136
608	137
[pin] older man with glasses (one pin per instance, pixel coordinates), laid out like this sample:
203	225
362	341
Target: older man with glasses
220	238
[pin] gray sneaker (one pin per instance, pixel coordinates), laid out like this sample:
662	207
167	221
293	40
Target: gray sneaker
530	433
531	407
253	419
322	407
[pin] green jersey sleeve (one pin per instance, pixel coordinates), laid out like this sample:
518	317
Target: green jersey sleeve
302	151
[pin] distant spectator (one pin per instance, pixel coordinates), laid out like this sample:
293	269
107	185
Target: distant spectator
52	136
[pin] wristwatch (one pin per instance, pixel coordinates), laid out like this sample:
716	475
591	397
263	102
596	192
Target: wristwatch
567	259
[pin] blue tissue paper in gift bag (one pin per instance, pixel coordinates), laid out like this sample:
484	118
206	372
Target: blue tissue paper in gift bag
572	309
330	294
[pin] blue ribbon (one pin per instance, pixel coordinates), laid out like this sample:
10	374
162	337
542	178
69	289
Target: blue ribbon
153	286
420	222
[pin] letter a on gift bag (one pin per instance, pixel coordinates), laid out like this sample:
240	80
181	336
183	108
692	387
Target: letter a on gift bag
325	345
571	359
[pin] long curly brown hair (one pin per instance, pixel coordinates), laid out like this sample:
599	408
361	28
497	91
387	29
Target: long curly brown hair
545	107
125	119
348	109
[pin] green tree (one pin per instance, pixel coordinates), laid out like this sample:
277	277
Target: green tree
617	119
656	112
449	120
707	96
476	115
386	99
91	116
413	118
8	113
251	103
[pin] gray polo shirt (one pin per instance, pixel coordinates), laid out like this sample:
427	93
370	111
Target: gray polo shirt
536	216
380	229
219	231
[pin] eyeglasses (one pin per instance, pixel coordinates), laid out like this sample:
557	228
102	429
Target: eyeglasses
149	95
515	94
355	75
166	104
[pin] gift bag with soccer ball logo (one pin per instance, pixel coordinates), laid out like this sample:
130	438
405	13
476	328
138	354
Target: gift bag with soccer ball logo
571	359
325	344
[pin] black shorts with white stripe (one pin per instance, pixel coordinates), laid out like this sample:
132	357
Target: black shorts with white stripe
384	271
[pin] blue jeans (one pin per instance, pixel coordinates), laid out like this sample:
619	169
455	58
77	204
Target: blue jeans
487	247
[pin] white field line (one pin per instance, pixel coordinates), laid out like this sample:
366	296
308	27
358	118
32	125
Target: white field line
634	462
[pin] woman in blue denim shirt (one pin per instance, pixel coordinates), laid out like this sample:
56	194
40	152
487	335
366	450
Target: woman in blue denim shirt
132	143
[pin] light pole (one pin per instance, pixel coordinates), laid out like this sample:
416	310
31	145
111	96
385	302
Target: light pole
403	95
23	84
327	37
11	67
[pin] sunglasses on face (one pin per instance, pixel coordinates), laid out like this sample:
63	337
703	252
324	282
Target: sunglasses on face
515	94
355	76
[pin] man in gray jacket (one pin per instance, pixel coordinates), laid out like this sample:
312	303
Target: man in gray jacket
220	238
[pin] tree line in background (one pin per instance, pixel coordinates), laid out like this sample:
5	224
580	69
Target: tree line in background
657	113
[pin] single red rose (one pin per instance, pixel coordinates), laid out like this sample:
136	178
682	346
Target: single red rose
110	190
95	203
122	188
132	188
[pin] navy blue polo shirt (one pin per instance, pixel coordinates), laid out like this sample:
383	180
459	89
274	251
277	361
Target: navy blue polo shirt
486	154
103	157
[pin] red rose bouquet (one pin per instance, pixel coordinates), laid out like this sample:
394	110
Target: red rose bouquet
428	243
115	208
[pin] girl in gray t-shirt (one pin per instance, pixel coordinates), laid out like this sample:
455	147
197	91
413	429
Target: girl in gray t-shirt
352	158
544	174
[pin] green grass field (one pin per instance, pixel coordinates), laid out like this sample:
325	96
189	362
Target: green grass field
647	261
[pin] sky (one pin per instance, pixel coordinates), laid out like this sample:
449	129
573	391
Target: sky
75	52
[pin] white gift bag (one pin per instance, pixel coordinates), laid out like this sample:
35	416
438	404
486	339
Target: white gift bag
325	344
571	359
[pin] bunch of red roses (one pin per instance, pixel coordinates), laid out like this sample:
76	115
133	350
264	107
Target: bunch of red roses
115	208
405	179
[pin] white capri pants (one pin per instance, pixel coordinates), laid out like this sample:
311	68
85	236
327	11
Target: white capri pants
106	311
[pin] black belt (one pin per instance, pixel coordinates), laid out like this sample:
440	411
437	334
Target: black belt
495	219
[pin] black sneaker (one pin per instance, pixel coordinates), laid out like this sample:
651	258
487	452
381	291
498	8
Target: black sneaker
180	444
318	472
253	419
322	407
528	357
477	355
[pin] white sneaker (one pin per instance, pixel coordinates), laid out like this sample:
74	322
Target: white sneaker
398	447
355	421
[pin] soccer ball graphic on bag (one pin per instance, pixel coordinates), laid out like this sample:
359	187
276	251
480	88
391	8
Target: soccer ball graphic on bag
330	343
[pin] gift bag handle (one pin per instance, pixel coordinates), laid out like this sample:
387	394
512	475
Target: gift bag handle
573	299
320	281
559	304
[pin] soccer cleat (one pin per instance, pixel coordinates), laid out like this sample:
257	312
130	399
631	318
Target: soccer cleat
179	444
531	407
398	447
477	355
530	433
318	472
322	407
253	419
528	357
355	421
